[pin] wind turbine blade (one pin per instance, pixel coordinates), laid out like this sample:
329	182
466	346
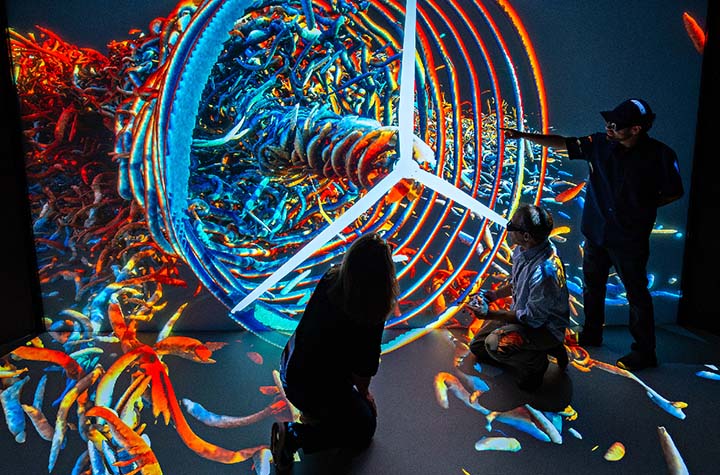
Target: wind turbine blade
441	186
406	112
405	138
361	206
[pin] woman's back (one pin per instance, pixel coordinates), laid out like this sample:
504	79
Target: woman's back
328	345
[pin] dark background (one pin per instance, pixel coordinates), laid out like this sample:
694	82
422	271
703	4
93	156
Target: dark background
19	288
700	278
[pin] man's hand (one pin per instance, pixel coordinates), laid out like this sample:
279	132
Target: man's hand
546	140
490	296
511	133
477	304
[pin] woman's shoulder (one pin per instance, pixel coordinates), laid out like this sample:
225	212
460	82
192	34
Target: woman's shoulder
331	275
327	284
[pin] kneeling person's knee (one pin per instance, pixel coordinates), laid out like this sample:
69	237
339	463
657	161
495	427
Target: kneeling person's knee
504	343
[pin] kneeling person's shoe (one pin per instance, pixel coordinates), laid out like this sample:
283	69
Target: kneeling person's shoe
635	361
281	447
560	355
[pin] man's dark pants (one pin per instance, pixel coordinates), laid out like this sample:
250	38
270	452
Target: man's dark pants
631	267
520	347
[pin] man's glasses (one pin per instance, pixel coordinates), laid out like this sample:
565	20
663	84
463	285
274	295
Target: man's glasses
514	227
615	127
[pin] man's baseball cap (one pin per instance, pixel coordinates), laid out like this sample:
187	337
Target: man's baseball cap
630	112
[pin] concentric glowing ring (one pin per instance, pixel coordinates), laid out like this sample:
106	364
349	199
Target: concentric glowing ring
235	209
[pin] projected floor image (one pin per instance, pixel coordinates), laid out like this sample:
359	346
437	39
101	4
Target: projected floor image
438	411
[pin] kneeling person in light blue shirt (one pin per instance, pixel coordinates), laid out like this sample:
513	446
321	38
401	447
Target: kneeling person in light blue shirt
534	325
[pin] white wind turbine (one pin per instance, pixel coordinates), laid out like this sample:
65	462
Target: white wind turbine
405	168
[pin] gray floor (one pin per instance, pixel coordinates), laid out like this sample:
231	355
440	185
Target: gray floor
416	434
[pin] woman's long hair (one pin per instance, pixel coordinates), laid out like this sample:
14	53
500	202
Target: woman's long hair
367	287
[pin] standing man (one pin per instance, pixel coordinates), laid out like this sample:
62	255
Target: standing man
534	326
630	176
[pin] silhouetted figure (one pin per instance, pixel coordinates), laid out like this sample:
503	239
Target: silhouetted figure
630	176
327	364
535	324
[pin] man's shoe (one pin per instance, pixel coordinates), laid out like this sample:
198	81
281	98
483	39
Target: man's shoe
586	339
635	361
283	455
560	355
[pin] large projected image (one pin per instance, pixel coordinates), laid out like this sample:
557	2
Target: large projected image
237	148
297	120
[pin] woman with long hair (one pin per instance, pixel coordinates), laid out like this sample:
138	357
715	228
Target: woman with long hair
327	364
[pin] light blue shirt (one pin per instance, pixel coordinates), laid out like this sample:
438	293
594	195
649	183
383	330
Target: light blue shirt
540	293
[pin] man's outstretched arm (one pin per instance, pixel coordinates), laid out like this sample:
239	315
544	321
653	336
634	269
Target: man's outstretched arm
553	141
